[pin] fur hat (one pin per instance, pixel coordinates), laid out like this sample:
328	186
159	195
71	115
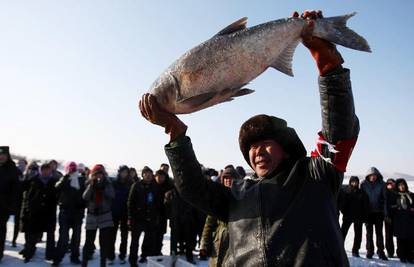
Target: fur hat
262	127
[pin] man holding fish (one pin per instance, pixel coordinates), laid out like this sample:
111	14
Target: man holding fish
285	214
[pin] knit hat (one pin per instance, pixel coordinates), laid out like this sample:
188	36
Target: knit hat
353	178
230	172
123	168
70	167
146	169
390	180
98	168
262	127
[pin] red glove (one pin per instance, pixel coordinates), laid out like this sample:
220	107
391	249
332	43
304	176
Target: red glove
325	54
151	111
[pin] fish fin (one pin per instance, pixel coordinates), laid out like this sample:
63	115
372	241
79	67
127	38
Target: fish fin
197	100
234	27
284	62
334	29
242	92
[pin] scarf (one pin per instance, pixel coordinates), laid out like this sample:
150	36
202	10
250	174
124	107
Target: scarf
403	198
74	180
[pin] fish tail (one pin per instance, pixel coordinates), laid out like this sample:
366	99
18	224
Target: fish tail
334	29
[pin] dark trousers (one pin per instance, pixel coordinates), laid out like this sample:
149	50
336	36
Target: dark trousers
104	243
32	238
122	224
16	226
67	221
374	220
346	223
405	249
161	230
389	239
3	231
148	245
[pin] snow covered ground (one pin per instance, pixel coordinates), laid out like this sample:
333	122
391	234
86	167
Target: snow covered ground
12	258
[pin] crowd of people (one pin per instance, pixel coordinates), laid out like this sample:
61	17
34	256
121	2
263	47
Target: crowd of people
124	206
379	204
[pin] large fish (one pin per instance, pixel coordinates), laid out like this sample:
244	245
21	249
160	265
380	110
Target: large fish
217	70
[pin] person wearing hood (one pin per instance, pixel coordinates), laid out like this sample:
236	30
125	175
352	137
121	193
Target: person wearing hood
353	203
286	213
165	184
99	194
133	175
390	200
215	237
404	221
9	177
122	186
144	206
70	189
39	212
374	187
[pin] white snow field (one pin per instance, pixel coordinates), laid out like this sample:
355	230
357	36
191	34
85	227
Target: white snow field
12	258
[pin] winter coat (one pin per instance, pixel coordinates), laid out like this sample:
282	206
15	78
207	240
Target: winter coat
404	213
354	204
144	203
375	191
390	202
39	205
99	197
288	218
70	199
8	187
215	240
119	204
164	188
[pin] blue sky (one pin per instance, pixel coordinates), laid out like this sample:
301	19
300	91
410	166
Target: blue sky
71	73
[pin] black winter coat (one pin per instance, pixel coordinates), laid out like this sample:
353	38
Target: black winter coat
8	187
39	206
70	199
375	192
289	218
120	202
354	204
144	203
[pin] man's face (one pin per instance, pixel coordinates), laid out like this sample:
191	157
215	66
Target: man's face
3	158
165	168
390	186
46	172
159	178
227	181
401	187
265	156
372	178
355	184
53	165
124	174
147	176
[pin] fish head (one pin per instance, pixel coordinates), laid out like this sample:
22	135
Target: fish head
165	90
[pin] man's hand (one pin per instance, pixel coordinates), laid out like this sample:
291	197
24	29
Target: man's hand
151	111
325	54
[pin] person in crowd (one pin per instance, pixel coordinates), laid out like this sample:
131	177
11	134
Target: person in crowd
374	187
285	214
99	194
144	206
404	221
70	189
165	185
390	199
55	173
133	174
8	191
39	212
353	203
165	168
21	167
215	238
122	186
240	170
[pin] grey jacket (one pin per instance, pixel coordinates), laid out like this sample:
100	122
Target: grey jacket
99	198
375	191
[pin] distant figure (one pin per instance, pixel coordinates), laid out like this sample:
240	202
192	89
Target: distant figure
404	222
374	187
390	199
70	189
133	174
122	186
99	194
8	191
21	166
240	170
55	173
353	203
39	212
